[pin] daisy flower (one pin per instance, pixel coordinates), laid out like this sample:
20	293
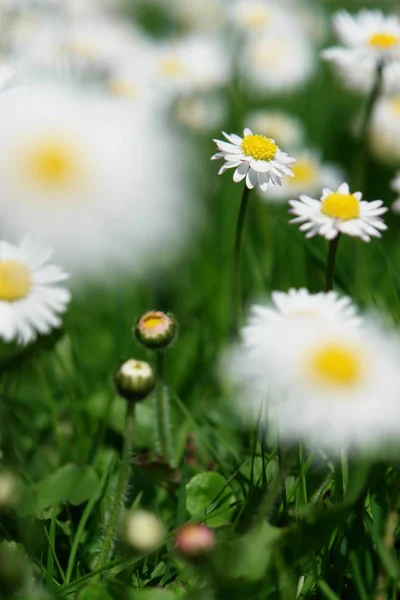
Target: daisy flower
384	129
368	34
329	385
31	297
396	187
279	61
259	16
339	212
254	157
300	304
78	172
286	129
309	176
200	113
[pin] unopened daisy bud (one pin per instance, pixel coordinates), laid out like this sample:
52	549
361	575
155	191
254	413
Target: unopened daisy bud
9	491
156	330
143	531
194	541
134	380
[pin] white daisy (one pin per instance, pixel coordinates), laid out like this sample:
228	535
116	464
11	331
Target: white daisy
301	304
280	61
286	129
254	157
309	176
370	34
253	17
339	212
329	385
396	187
384	130
31	297
78	171
200	113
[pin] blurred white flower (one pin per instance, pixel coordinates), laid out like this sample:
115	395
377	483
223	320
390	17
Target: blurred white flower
276	62
328	384
197	14
339	212
309	177
396	187
10	490
370	34
286	129
193	63
31	297
254	157
384	130
253	17
78	171
200	113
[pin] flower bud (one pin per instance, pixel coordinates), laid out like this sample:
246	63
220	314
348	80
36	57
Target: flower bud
194	541
156	330
142	531
10	489
134	380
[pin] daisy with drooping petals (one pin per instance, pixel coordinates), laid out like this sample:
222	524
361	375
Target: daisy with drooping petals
309	176
301	304
396	187
31	297
339	212
329	385
254	157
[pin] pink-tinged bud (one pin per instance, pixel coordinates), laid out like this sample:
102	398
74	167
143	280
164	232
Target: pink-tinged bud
156	330
194	540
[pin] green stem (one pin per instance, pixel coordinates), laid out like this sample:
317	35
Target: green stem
121	487
359	167
237	249
162	409
330	267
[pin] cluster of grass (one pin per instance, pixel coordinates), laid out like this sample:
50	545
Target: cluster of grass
288	524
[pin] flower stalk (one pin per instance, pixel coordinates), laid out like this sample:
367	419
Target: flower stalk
330	268
163	438
237	255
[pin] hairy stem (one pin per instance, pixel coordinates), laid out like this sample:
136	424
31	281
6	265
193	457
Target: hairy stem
330	267
237	252
162	411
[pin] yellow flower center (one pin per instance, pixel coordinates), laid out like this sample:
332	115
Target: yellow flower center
256	18
122	89
151	322
15	280
336	365
171	67
396	105
259	147
341	206
49	163
304	171
383	41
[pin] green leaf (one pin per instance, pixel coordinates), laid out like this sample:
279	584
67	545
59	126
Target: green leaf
153	594
70	483
206	492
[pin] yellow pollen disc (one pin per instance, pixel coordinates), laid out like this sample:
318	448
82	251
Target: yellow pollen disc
383	41
304	171
259	147
50	162
256	18
84	48
341	206
15	280
122	89
152	322
336	365
171	67
396	105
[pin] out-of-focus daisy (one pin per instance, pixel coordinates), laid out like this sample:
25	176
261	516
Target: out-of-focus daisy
396	188
286	129
329	385
200	113
384	130
197	14
339	212
194	63
301	304
277	62
309	176
259	16
31	297
369	34
78	172
254	157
